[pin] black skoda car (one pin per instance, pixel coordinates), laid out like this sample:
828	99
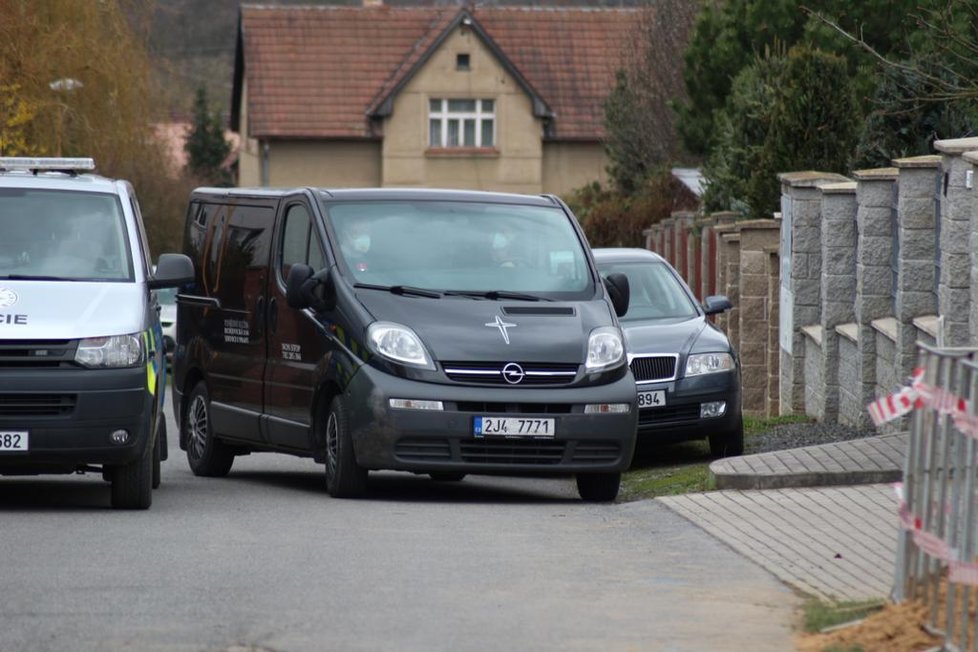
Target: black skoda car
688	375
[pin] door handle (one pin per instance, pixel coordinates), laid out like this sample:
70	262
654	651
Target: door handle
272	315
260	315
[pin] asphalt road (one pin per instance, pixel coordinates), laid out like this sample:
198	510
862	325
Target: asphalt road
265	560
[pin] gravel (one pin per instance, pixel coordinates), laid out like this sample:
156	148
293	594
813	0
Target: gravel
796	435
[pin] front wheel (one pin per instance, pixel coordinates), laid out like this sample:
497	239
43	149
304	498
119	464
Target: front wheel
729	443
598	487
132	484
344	477
207	455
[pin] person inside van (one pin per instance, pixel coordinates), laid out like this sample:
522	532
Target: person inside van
355	243
505	248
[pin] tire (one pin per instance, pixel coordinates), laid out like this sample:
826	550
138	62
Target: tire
132	484
446	476
157	456
207	455
728	444
598	487
344	477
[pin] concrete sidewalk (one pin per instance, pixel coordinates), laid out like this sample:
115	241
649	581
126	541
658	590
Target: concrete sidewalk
823	519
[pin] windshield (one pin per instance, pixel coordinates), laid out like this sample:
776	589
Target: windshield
461	247
655	291
52	234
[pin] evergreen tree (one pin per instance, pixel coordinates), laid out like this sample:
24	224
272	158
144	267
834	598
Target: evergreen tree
206	146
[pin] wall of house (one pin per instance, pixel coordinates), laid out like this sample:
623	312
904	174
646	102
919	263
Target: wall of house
570	165
326	163
514	165
249	161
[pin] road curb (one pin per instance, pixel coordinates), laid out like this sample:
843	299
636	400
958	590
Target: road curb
744	481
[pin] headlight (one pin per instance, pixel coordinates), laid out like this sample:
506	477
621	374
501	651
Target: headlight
398	343
604	349
113	352
708	363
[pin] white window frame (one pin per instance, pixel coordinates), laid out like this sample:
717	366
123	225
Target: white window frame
444	116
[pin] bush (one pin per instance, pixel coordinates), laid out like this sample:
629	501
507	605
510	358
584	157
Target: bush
611	219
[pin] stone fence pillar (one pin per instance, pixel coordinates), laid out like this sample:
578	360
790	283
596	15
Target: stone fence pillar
972	158
772	400
954	292
838	292
918	192
801	269
756	239
684	224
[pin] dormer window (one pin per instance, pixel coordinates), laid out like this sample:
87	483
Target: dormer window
461	123
462	62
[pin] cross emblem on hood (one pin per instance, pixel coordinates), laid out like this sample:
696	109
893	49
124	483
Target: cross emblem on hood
502	326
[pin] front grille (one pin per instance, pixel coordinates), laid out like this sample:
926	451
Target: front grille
654	368
512	452
690	412
496	373
423	450
481	407
516	452
33	354
598	452
37	405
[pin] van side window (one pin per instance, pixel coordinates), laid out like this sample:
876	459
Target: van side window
299	242
244	253
143	240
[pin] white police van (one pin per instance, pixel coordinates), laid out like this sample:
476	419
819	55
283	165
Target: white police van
82	374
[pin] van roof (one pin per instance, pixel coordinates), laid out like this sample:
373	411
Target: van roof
58	181
387	194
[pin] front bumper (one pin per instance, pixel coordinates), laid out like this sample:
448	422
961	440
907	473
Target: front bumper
431	441
69	415
679	419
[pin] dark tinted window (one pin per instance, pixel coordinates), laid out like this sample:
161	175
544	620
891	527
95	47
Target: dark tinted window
300	244
244	252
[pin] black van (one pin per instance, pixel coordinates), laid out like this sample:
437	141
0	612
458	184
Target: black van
433	331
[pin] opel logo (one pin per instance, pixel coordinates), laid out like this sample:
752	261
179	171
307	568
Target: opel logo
513	373
7	297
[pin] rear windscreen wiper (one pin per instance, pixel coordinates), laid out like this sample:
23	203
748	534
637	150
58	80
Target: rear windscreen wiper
496	295
404	290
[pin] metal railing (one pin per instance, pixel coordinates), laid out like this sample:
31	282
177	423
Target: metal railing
937	551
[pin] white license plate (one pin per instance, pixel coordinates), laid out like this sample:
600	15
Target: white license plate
13	440
653	399
513	427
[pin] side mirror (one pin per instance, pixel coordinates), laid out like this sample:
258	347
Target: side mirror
619	292
172	270
716	304
305	289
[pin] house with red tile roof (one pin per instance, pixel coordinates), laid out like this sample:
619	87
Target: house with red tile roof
481	97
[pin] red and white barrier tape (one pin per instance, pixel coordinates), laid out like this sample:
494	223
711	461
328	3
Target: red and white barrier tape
959	571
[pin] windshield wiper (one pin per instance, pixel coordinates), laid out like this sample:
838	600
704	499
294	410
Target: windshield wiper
496	295
36	277
403	290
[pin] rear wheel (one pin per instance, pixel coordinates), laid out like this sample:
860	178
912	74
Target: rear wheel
729	443
344	477
207	455
132	484
598	487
